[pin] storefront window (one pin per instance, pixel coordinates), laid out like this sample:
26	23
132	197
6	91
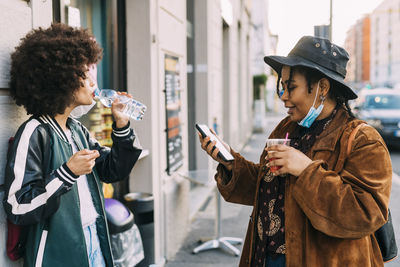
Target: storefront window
106	21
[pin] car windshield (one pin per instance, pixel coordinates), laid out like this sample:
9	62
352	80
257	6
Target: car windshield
384	101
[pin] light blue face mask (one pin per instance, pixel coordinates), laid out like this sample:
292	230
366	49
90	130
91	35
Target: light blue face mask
313	113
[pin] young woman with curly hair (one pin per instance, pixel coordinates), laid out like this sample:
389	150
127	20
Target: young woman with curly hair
54	168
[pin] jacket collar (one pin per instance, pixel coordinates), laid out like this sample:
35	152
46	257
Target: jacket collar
54	124
329	137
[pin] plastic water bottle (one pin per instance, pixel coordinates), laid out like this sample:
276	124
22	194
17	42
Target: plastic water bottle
134	109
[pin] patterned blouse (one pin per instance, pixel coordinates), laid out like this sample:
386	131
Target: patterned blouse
270	236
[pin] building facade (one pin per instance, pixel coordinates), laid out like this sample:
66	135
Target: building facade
385	58
366	49
17	18
188	61
350	46
357	44
264	43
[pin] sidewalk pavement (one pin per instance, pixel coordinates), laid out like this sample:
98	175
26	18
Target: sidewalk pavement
234	217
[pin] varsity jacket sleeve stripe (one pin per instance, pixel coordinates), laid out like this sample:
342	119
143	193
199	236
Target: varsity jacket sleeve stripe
33	194
116	164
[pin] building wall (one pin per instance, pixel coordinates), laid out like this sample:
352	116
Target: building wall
354	44
358	50
385	58
232	92
263	44
366	51
232	105
12	116
210	75
172	32
350	46
241	98
261	36
357	44
245	83
17	18
154	29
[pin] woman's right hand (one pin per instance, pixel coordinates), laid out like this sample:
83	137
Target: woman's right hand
82	162
212	150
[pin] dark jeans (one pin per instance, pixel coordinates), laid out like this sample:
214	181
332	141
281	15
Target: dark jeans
278	261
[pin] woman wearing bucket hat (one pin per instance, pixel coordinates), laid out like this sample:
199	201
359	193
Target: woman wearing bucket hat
324	203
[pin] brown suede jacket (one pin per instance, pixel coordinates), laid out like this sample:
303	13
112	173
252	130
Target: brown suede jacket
333	208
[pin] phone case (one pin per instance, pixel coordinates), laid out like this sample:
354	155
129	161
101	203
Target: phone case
223	152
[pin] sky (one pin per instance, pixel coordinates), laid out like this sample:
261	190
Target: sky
291	19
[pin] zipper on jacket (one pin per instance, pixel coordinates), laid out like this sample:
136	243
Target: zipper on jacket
97	186
79	147
78	144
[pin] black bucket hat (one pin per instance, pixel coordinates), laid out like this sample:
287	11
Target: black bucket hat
319	54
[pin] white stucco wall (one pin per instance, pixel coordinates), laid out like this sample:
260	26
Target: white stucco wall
224	89
156	28
12	117
175	189
15	22
17	17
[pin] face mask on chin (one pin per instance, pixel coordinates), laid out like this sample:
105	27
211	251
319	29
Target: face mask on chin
81	110
313	113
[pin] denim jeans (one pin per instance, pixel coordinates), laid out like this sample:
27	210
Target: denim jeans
95	255
279	261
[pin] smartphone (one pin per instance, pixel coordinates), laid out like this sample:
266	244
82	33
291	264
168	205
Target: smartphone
223	152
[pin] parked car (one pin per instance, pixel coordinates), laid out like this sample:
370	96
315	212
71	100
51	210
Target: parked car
380	108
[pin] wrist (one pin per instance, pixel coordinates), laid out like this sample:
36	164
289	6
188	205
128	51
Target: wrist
122	131
121	123
66	175
70	169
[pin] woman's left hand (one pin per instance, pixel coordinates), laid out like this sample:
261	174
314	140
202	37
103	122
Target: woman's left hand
121	119
293	161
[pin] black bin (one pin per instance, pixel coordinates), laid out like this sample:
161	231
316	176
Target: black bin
142	206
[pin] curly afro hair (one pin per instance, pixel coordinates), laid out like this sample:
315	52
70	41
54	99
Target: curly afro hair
49	65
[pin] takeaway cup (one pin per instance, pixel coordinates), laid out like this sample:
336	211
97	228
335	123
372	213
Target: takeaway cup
271	142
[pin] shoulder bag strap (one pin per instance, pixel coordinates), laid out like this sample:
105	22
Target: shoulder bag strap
352	136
